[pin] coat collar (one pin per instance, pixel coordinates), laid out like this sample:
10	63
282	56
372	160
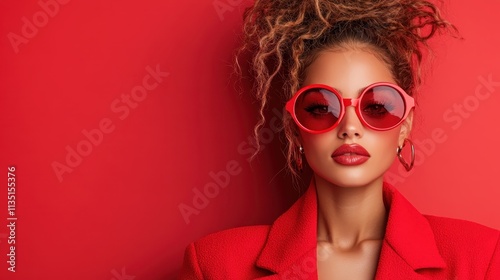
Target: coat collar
408	245
292	237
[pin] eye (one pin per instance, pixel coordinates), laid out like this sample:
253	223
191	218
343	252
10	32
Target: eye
317	109
377	109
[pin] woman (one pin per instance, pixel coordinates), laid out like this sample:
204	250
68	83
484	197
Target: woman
349	70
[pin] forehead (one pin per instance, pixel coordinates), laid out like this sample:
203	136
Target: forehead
348	71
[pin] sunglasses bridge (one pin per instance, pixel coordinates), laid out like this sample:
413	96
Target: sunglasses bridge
350	102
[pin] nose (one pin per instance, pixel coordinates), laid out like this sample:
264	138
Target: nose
350	126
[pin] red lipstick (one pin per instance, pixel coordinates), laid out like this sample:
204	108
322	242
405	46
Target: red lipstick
352	154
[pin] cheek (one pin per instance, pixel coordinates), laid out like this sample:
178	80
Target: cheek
384	143
314	143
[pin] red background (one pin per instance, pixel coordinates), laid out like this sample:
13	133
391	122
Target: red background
116	215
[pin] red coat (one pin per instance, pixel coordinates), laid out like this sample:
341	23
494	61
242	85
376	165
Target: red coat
415	246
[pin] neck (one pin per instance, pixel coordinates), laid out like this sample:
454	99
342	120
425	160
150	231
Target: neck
347	216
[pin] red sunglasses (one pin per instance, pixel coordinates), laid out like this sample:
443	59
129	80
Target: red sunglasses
319	108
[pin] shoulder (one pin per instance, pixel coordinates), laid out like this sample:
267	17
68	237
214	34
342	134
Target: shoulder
227	254
457	229
241	245
457	239
235	239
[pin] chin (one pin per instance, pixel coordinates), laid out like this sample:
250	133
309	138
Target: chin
349	180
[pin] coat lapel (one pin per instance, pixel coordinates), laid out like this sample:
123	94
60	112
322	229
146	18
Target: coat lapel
290	250
393	266
409	244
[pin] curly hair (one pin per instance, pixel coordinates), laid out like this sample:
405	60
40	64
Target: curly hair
283	37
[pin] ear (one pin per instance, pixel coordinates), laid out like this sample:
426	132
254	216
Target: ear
405	130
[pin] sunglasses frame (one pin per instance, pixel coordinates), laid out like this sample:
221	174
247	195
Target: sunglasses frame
345	102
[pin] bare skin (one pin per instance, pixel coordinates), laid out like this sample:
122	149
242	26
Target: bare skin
351	224
351	213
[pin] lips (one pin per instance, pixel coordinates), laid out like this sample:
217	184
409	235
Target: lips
352	154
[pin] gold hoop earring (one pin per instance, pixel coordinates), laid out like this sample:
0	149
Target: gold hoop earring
298	160
407	166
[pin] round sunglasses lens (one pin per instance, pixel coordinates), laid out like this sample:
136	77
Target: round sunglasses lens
317	109
382	107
